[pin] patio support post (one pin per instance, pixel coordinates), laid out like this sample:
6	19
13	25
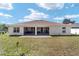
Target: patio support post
22	30
35	30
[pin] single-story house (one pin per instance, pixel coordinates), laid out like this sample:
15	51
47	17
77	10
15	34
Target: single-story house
42	27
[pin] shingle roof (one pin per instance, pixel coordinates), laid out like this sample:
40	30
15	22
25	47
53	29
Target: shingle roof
39	22
43	22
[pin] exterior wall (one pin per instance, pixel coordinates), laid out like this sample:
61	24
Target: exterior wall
57	30
75	31
68	31
10	31
53	30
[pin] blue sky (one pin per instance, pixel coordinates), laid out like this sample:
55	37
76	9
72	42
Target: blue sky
23	12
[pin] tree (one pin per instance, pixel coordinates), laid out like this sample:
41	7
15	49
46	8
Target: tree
3	27
67	21
72	22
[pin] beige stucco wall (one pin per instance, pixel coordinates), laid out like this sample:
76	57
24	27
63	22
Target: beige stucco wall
53	30
10	31
68	30
57	30
10	28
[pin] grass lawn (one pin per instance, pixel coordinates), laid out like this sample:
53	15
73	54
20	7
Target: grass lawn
29	46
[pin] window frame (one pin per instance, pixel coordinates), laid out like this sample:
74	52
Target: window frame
16	29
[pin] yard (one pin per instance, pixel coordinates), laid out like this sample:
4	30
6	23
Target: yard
29	46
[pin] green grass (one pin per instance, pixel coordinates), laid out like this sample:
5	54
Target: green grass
53	46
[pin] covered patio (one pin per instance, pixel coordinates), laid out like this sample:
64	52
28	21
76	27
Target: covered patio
42	30
29	30
36	30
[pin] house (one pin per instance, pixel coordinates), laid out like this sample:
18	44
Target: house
42	27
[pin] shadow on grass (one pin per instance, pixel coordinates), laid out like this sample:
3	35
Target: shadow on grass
14	35
64	35
47	35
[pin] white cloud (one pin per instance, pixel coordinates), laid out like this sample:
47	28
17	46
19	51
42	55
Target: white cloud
7	6
72	5
66	7
58	18
67	16
5	15
24	20
51	6
1	14
72	16
35	15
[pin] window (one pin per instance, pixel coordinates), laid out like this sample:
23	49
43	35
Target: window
16	29
64	31
63	27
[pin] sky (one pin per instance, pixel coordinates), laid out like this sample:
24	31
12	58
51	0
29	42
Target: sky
11	13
